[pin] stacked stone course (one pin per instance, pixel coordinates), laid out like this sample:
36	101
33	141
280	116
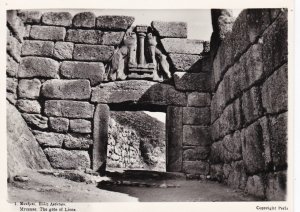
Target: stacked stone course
249	105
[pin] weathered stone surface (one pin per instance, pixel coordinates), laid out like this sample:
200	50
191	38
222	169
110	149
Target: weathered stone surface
276	186
251	105
196	99
275	91
174	139
13	47
191	81
36	120
38	67
63	50
84	36
196	116
11	85
170	29
252	148
184	62
69	109
66	89
227	150
237	177
218	102
86	52
30	16
49	139
114	22
29	106
11	97
29	89
100	136
78	142
195	167
11	66
57	18
84	20
231	119
279	139
22	149
37	48
15	24
83	70
139	91
195	153
80	126
112	38
182	46
216	172
47	33
196	135
59	124
275	46
255	186
27	31
68	159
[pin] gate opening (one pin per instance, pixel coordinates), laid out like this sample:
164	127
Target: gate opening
136	140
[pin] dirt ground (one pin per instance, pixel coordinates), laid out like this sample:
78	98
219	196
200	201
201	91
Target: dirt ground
46	188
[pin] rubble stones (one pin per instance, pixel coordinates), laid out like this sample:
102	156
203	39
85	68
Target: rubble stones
114	22
57	18
29	88
170	29
38	67
67	159
83	70
66	89
68	109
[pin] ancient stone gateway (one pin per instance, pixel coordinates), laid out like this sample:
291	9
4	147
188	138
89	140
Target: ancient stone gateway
226	100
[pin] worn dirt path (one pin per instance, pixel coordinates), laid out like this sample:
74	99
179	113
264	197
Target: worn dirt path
42	188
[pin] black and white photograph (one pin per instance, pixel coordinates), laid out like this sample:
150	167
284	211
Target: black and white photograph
147	105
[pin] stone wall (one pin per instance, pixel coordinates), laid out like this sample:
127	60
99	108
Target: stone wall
58	77
136	141
249	104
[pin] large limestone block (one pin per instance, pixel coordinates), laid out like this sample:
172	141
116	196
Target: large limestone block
80	126
275	91
30	16
13	47
185	62
195	153
36	120
138	91
11	66
192	81
38	67
276	186
196	116
196	167
84	36
50	139
37	48
29	106
57	18
83	70
66	89
29	88
63	50
255	186
59	124
174	138
196	99
84	20
23	151
47	33
170	29
182	46
69	109
112	38
87	52
68	159
114	22
196	135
